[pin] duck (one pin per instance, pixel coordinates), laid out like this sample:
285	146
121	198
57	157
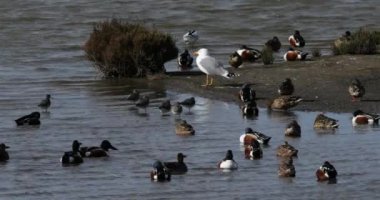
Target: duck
183	128
249	135
249	54
72	157
274	44
235	60
246	93
134	96
326	172
31	119
362	118
190	37
185	60
283	103
45	103
176	108
178	167
4	156
253	151
296	40
286	150
165	107
143	102
293	55
249	109
286	87
188	103
210	66
159	173
293	129
346	37
286	168
322	121
228	163
101	151
356	90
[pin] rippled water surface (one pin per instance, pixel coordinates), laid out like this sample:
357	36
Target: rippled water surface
40	48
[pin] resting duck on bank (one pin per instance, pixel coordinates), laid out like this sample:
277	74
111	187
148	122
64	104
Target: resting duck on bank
183	128
249	109
31	119
228	162
165	107
185	60
159	173
250	135
178	167
356	90
293	55
246	93
284	102
286	168
296	40
95	151
362	118
326	172
286	87
322	121
293	129
235	60
253	151
248	54
286	150
72	157
274	44
4	156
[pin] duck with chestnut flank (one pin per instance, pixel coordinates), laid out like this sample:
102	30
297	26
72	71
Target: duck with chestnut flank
296	40
249	135
253	151
293	55
363	118
249	54
326	172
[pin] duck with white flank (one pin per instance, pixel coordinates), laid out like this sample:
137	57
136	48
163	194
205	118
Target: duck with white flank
286	87
188	103
274	44
293	129
165	107
326	172
96	151
72	157
283	103
286	168
159	173
185	60
356	90
4	156
178	167
253	151
293	55
246	93
210	66
322	122
363	118
31	119
45	103
249	135
286	150
190	37
296	40
228	163
249	109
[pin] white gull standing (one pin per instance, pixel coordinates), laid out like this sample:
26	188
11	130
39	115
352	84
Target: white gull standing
210	66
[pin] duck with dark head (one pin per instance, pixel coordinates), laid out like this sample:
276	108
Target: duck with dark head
97	151
72	157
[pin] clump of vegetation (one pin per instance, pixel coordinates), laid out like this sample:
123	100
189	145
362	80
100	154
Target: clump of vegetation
316	52
360	42
122	49
267	55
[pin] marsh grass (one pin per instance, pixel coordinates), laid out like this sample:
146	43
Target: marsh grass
122	49
361	42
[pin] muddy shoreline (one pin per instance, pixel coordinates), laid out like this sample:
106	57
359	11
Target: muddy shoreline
321	82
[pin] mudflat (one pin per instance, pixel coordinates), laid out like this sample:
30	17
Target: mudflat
322	82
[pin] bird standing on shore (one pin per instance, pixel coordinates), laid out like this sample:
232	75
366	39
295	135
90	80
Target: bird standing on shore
274	44
45	103
188	103
210	66
185	60
296	40
356	90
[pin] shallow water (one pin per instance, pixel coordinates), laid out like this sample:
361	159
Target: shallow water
41	53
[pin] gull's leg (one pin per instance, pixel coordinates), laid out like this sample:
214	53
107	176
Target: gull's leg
212	80
206	81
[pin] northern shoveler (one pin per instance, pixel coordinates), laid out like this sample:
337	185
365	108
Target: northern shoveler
249	135
253	151
97	151
296	40
326	172
293	55
362	118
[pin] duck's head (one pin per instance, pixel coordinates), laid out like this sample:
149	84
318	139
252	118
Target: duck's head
180	157
229	155
296	32
3	147
275	39
248	130
157	165
106	145
48	96
357	112
76	145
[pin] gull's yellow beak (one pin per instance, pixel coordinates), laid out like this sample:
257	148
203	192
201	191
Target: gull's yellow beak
195	53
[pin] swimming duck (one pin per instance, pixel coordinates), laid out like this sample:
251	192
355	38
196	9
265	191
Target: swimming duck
246	93
188	103
4	156
45	103
235	60
183	128
286	168
134	96
185	60
286	150
228	163
322	121
31	119
165	107
210	66
178	167
284	102
253	151
143	102
274	44
286	87
176	108
190	37
326	172
296	40
249	135
361	118
249	109
356	90
293	129
101	151
159	173
293	55
248	54
72	157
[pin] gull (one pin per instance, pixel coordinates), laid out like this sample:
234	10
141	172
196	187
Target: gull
190	37
45	103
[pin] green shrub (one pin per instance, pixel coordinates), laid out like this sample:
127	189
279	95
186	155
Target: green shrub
122	49
267	55
360	42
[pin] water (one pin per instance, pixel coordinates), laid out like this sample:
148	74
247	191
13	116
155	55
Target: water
41	53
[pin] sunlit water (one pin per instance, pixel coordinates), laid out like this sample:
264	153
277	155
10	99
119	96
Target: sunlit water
41	53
